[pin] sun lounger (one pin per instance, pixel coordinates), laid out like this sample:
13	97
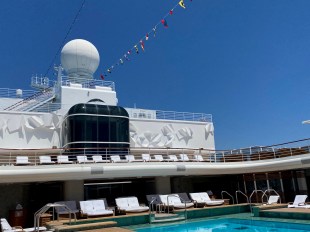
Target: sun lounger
130	205
63	159
299	202
160	158
203	197
22	160
174	200
131	158
184	158
94	208
173	158
198	158
6	227
68	205
98	159
82	159
117	159
273	199
148	158
44	159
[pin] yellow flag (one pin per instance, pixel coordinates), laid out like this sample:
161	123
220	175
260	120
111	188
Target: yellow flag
181	3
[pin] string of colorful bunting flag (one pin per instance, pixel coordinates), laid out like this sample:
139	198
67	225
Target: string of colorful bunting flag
141	43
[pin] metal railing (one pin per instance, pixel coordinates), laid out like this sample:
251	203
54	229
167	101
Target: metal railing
271	190
222	194
16	93
184	116
8	156
243	194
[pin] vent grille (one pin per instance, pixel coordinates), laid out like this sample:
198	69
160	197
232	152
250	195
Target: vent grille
97	170
181	168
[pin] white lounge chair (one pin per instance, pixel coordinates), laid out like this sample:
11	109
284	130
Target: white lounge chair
98	159
173	158
63	159
131	158
203	197
174	200
117	159
94	208
22	160
160	158
82	159
44	159
130	205
299	202
6	227
184	158
148	158
273	199
198	158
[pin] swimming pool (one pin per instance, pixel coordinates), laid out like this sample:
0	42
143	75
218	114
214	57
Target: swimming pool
229	225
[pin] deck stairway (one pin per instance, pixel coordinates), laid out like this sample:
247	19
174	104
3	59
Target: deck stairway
166	217
159	213
34	101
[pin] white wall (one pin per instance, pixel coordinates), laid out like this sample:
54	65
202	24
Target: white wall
29	130
173	134
71	96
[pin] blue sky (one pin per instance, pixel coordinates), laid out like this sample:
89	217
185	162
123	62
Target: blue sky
244	62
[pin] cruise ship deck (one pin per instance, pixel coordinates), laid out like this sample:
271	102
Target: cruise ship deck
69	140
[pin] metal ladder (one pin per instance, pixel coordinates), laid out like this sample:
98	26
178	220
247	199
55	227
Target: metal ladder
46	207
271	190
160	207
222	194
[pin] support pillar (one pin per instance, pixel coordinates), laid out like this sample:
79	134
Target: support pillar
163	185
74	190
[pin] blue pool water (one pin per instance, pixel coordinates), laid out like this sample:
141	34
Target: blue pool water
229	225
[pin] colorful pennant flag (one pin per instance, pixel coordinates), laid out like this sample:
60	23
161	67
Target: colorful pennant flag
164	22
137	49
142	44
125	57
181	3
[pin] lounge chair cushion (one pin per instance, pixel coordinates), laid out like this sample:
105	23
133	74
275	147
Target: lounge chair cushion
175	201
130	204
203	197
94	208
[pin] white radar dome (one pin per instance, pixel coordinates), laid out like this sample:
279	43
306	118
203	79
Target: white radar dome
80	59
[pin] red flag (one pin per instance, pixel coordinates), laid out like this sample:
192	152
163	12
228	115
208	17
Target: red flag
171	12
142	44
147	37
164	22
102	76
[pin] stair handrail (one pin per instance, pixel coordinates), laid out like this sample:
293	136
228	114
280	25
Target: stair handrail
29	98
255	191
228	195
151	208
271	190
175	195
236	193
41	211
